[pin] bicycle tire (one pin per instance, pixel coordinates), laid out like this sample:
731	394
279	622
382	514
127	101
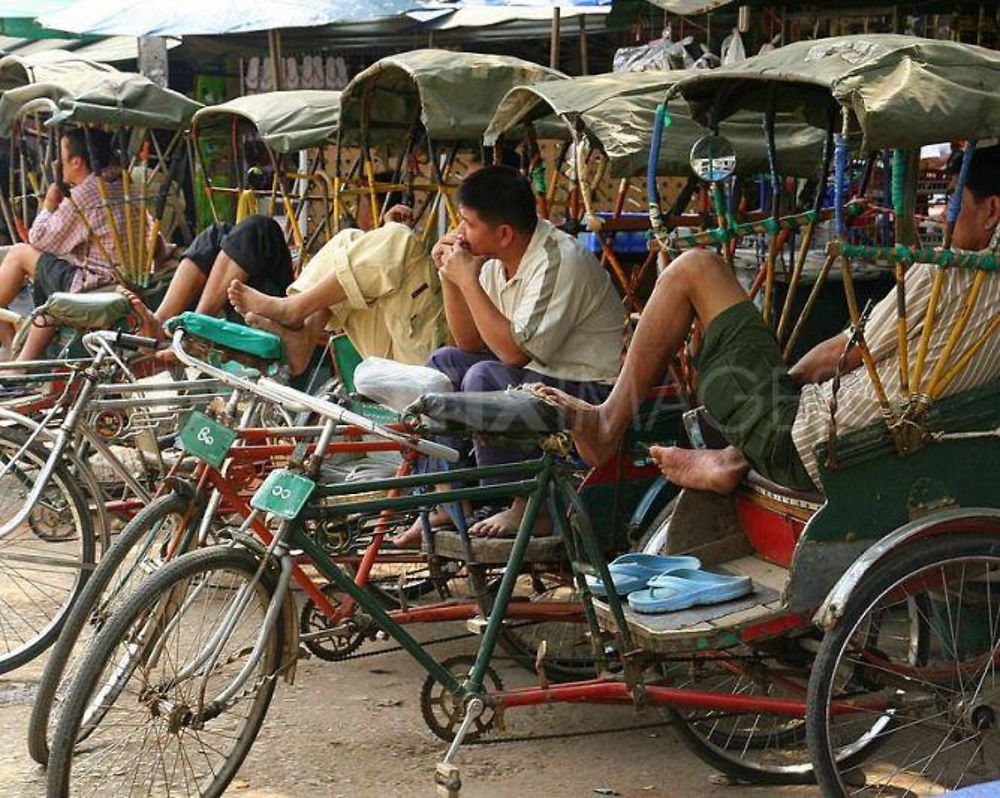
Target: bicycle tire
82	556
170	583
87	611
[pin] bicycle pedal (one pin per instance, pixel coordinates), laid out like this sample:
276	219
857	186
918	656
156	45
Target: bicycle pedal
448	780
477	625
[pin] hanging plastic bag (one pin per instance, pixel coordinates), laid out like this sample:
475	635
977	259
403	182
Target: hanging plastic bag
732	48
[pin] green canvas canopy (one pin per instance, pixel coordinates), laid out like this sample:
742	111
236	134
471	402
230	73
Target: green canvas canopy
452	94
616	113
903	91
49	66
104	98
286	121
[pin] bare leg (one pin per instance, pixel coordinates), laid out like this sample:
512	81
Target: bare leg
18	264
413	535
149	324
698	285
717	470
298	344
37	342
187	284
214	297
291	311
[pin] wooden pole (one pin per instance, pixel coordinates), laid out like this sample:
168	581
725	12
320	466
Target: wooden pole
584	58
274	45
554	40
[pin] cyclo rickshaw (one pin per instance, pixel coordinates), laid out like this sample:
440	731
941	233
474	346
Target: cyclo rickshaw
64	470
872	633
608	118
286	135
414	115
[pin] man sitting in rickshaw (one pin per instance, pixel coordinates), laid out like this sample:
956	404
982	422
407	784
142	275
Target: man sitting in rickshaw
71	245
774	416
525	302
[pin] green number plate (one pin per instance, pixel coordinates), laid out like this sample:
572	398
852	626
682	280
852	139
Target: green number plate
283	493
206	439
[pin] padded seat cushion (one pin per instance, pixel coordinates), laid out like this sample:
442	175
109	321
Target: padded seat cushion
97	310
808	496
497	412
238	337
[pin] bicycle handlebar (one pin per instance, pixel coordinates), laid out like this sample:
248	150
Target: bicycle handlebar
119	339
290	397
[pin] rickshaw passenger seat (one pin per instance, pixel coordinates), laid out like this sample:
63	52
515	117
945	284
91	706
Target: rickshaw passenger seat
238	337
97	310
759	481
499	412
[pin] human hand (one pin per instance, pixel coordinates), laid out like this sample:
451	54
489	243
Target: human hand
53	196
442	249
403	214
461	266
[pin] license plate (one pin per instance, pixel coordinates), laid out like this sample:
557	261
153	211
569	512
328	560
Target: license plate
206	439
283	493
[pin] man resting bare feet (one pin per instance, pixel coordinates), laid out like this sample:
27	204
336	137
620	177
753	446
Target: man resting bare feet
283	310
716	470
297	344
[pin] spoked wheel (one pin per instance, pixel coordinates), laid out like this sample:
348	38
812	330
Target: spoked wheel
443	712
569	655
749	746
45	561
138	551
930	698
180	701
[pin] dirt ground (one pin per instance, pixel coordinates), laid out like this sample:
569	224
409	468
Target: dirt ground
354	729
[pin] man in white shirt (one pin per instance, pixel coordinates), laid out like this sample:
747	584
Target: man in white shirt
525	303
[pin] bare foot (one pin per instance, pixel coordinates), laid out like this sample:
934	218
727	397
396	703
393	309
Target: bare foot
591	434
717	470
249	300
414	535
506	523
149	325
298	344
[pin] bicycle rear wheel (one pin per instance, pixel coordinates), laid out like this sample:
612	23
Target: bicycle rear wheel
153	675
45	561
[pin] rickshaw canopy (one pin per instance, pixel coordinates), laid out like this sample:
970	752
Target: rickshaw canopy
452	94
616	112
285	121
903	91
49	66
102	98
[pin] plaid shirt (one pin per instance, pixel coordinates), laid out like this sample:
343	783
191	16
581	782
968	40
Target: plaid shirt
78	231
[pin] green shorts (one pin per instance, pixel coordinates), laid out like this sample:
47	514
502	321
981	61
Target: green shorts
744	384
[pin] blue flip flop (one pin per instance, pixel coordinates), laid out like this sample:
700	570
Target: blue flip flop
681	589
633	571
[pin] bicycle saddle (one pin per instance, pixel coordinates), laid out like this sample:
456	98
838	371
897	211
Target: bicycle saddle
98	310
498	412
238	337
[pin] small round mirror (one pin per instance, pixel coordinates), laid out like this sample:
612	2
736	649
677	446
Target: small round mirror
713	158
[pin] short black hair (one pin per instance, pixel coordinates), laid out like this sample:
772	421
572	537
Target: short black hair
499	195
984	173
98	151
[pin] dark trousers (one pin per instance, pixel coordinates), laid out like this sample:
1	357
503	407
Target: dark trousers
481	371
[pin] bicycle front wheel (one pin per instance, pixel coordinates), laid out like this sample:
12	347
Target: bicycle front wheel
149	691
44	562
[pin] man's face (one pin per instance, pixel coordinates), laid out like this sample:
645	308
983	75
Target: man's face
976	221
481	238
74	168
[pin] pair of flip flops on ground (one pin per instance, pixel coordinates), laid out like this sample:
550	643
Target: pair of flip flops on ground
655	583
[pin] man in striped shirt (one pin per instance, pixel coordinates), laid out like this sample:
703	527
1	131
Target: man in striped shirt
773	416
70	245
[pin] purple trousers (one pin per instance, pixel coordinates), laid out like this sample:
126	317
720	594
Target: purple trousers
482	371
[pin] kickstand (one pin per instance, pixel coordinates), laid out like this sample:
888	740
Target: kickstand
446	775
